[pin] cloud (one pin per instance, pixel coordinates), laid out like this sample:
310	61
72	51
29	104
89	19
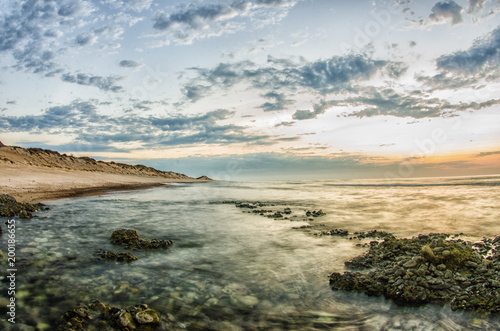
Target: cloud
476	6
103	83
198	21
444	11
280	102
388	102
466	68
130	64
37	33
136	5
284	124
318	109
484	54
82	120
304	115
85	39
335	74
483	154
70	8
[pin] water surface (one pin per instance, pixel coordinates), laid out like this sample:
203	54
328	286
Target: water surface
232	269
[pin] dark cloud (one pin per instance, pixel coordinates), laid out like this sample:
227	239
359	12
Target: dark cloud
103	83
280	101
129	64
322	76
82	119
443	11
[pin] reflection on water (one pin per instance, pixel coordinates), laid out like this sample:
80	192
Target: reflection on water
229	269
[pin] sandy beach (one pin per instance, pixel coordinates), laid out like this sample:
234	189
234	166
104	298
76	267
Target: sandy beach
40	176
34	184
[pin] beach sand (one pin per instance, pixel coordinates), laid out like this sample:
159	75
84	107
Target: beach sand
35	184
38	175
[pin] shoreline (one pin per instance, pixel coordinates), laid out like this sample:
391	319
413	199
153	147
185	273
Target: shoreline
34	184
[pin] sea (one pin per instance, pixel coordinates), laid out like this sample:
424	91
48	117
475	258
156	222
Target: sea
234	269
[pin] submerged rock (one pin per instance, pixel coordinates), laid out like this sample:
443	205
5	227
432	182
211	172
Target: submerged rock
9	207
112	256
315	213
130	239
98	316
427	269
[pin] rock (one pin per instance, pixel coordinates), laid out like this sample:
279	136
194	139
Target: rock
120	257
410	264
98	316
248	300
9	207
126	320
130	239
428	254
441	267
147	316
410	271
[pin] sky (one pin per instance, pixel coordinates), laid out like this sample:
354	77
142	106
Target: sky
257	89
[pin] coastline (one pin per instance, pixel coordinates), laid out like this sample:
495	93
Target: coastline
36	184
33	175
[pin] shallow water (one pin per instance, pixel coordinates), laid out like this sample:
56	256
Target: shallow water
231	269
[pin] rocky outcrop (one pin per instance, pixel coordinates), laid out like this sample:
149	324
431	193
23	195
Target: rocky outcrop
9	207
98	316
428	269
130	239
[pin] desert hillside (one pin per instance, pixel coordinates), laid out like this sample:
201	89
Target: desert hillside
51	159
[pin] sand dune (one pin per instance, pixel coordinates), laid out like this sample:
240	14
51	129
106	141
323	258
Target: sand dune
32	175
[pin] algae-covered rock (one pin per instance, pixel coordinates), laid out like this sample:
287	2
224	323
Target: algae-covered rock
9	207
112	256
130	239
98	316
428	269
147	316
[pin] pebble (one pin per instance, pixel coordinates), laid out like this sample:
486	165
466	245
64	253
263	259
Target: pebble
248	300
